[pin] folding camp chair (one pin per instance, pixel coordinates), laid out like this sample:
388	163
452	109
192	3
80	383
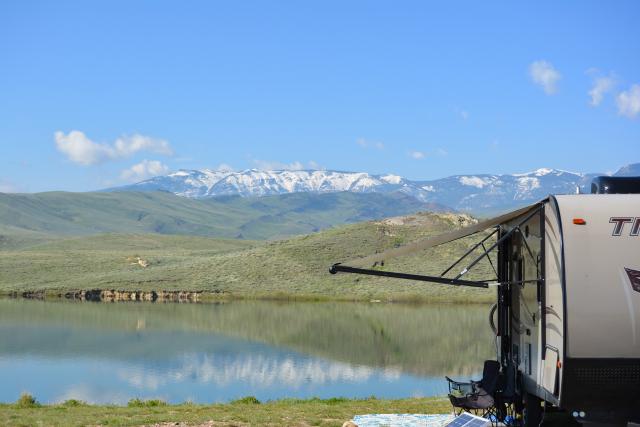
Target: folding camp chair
477	397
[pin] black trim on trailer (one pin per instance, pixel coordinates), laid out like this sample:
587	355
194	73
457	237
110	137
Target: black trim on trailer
563	285
504	305
542	284
607	389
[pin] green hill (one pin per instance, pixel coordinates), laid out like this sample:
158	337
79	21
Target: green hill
296	267
27	219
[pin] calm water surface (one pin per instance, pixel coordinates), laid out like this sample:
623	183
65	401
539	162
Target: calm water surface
110	353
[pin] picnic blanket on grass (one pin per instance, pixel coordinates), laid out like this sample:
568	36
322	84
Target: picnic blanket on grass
402	420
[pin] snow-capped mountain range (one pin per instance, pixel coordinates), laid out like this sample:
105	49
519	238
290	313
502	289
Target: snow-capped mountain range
472	193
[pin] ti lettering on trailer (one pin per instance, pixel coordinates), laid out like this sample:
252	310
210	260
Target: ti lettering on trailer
620	222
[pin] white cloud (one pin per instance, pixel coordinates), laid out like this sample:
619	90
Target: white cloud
80	149
7	187
629	101
601	85
441	152
417	155
144	170
125	146
543	74
464	114
369	144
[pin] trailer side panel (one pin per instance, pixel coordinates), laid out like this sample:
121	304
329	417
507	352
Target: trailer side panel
601	372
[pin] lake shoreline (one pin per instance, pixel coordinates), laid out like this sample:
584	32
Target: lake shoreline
185	296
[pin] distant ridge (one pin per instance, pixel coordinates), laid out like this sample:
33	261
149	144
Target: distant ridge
477	194
28	219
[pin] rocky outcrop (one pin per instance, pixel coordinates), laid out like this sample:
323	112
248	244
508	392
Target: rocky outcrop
112	295
30	294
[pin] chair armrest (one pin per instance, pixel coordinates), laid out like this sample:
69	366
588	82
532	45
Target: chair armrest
463	388
455	382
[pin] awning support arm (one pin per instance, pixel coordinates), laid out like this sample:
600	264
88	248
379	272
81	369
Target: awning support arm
335	268
456	281
499	241
489	259
481	242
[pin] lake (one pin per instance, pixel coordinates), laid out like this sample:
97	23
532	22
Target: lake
112	352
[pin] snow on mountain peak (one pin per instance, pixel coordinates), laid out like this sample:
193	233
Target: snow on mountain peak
476	193
543	171
391	179
547	171
474	181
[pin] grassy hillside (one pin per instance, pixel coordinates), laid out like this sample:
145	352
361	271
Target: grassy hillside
14	237
296	267
32	218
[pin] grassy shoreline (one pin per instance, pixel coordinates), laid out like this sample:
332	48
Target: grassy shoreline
216	297
244	412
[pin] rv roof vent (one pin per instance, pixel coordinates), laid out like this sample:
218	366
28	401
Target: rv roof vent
615	185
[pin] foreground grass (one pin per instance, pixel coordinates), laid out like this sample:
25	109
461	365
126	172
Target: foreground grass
245	412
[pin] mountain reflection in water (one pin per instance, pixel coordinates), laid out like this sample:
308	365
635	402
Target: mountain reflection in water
109	353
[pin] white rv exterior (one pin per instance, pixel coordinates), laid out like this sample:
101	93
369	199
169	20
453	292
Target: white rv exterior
574	334
603	310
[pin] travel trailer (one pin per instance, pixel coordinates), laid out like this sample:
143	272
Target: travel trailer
567	314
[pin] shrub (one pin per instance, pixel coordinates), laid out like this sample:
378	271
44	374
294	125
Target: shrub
335	400
73	403
27	401
139	403
247	400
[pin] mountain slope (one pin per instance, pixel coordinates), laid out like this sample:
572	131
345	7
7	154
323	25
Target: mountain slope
32	218
478	194
487	194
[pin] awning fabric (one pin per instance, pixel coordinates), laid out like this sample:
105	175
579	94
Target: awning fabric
430	242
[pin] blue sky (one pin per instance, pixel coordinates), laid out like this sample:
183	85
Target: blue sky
94	94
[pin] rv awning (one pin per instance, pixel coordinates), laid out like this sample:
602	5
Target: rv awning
430	242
